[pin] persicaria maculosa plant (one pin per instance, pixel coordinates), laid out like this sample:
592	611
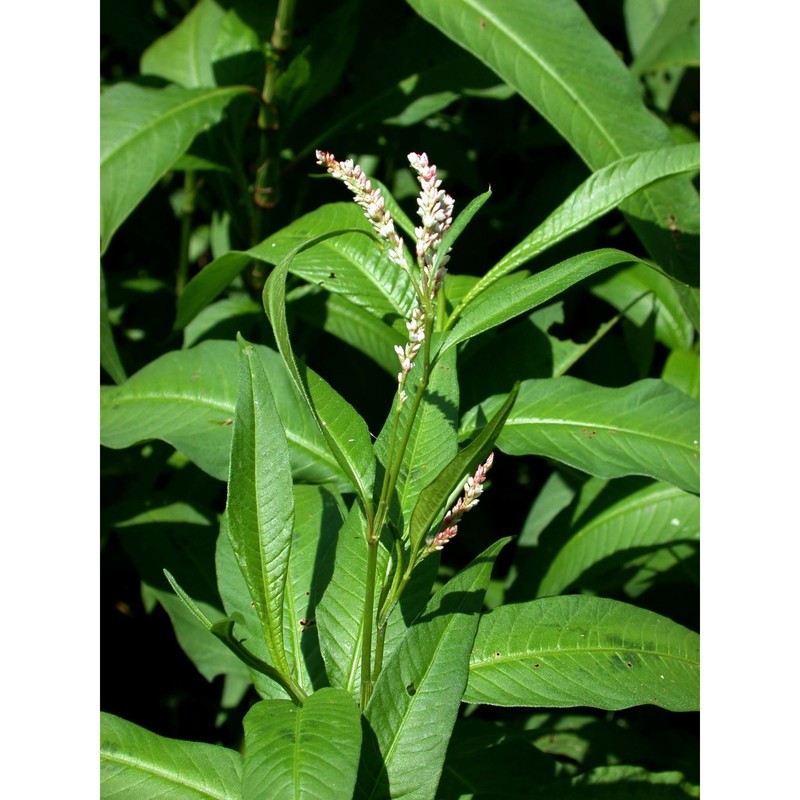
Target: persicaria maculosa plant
302	397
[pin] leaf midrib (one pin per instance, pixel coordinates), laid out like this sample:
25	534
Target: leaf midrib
119	758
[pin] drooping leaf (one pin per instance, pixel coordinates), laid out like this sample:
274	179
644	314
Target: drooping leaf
344	429
504	301
137	763
639	292
583	651
143	133
416	698
647	428
187	398
260	508
309	751
551	54
351	324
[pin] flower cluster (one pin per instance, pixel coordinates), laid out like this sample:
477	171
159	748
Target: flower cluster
436	212
473	489
369	197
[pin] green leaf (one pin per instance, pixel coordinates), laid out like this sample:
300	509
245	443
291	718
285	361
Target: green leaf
647	428
621	783
639	292
143	133
640	521
309	751
187	398
137	763
344	429
583	651
317	522
109	357
673	40
183	55
432	499
597	195
504	301
260	508
551	54
433	442
417	695
339	595
682	370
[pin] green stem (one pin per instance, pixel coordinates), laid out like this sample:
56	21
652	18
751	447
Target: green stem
224	632
369	613
187	211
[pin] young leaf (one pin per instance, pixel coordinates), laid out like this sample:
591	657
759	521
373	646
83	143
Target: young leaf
503	302
583	651
647	428
643	519
137	763
260	508
601	192
416	698
309	751
143	133
187	398
344	429
430	506
551	54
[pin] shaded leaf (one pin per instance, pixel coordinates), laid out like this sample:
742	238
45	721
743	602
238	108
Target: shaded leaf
551	54
143	133
647	428
583	651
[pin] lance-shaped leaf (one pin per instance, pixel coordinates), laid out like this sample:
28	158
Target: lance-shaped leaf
137	763
339	594
187	398
504	301
143	133
416	698
432	499
344	429
647	428
309	751
583	651
260	508
551	54
601	192
640	521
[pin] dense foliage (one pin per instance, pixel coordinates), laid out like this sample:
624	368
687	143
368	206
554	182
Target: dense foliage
298	409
